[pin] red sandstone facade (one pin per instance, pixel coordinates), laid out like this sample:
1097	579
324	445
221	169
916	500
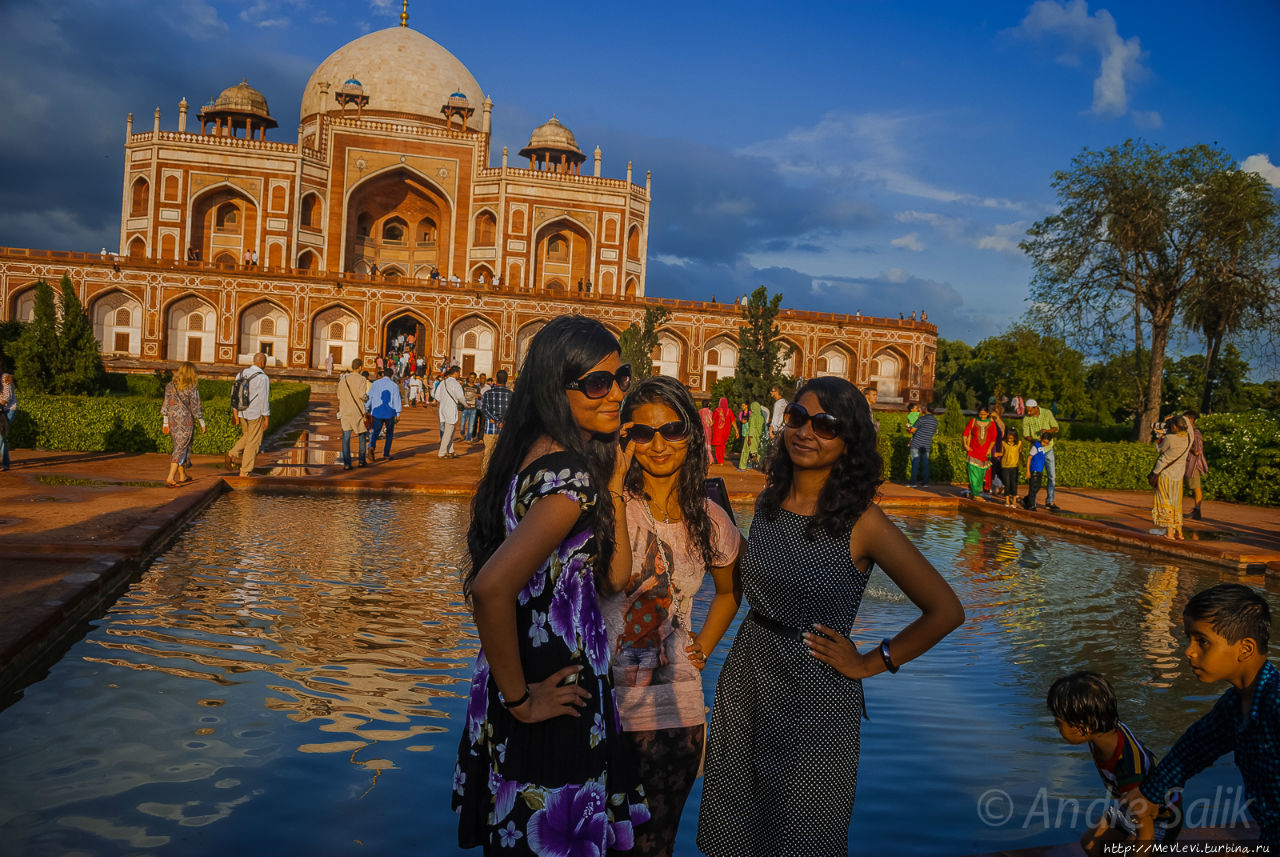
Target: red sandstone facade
385	219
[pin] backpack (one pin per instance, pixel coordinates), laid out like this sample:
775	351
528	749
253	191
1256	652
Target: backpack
240	398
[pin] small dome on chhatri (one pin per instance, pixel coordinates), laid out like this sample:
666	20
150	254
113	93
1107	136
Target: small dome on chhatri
351	81
551	134
242	98
351	86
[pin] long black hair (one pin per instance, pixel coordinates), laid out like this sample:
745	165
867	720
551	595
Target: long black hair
857	474
691	488
565	349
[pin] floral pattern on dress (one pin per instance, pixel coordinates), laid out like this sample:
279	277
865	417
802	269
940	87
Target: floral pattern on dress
497	792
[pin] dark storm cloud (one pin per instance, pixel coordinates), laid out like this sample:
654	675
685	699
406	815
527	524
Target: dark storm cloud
71	74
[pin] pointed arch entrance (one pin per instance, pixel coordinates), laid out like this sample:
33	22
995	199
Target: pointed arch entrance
223	222
397	219
407	331
563	255
472	345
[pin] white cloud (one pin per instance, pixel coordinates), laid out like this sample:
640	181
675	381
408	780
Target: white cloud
952	227
1148	120
1261	164
1120	60
895	275
910	241
1004	239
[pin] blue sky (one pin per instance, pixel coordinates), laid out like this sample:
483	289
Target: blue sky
870	156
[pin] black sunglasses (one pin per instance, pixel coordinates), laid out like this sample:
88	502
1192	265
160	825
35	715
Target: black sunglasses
671	432
825	426
596	385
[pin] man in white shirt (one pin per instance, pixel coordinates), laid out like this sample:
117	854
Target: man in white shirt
779	405
452	401
252	420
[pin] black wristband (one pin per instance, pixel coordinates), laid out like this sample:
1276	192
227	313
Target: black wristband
884	653
515	703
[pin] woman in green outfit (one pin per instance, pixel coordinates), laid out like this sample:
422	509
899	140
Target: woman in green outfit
979	437
752	431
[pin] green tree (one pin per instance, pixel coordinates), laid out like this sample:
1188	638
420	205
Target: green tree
639	341
1114	265
1237	288
1185	382
10	331
952	422
35	354
78	364
761	351
1024	361
1114	391
953	373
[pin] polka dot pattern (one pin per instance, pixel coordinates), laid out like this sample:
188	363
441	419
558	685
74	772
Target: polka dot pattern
782	750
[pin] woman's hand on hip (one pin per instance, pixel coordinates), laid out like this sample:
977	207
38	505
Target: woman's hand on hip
837	651
548	699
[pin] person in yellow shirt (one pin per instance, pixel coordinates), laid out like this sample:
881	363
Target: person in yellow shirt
1011	454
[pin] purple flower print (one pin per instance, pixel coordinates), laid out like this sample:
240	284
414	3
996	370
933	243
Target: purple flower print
622	836
595	638
478	704
597	730
504	795
508	836
534	587
459	778
572	824
538	630
566	604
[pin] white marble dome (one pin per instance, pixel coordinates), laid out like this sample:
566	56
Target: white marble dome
399	69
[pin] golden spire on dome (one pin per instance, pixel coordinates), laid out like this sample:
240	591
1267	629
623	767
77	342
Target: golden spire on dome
404	14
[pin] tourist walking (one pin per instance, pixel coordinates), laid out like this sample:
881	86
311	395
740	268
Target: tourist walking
414	387
1197	464
677	537
254	419
179	414
541	768
752	433
920	445
1035	424
384	406
328	363
493	410
1167	475
452	401
723	427
708	422
353	397
782	752
8	410
979	437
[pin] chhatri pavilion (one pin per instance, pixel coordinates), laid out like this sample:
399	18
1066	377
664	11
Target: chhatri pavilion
389	216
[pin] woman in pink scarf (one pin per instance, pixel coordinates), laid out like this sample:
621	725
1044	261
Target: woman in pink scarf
705	413
723	424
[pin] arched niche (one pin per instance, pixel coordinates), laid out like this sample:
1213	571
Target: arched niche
720	360
308	260
562	255
263	327
668	356
335	331
473	345
407	330
524	336
481	274
833	361
311	212
23	304
486	229
224	221
140	198
138	248
633	242
117	323
887	374
396	219
190	330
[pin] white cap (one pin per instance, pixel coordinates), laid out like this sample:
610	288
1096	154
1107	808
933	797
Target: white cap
1031	403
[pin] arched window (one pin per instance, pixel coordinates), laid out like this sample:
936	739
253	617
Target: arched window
267	327
124	318
277	198
227	217
393	231
195	321
469	341
364	223
337	331
171	188
633	243
713	356
557	249
611	232
486	229
311	211
517	221
141	198
426	232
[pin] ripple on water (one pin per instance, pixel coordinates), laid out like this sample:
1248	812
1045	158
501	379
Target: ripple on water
291	675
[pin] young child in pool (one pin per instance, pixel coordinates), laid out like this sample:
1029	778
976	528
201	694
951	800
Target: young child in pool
1083	706
1228	627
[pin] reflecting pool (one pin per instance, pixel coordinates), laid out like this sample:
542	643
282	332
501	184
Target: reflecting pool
289	678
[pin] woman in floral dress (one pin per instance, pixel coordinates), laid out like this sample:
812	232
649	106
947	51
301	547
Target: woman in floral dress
181	412
541	769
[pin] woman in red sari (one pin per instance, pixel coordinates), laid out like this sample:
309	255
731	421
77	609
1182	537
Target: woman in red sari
979	437
723	424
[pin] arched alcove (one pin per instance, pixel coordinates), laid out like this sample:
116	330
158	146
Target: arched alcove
472	345
191	326
335	331
117	323
263	327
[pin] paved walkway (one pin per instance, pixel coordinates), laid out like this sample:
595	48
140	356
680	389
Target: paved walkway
76	527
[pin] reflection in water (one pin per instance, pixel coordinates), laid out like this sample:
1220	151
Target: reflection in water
290	678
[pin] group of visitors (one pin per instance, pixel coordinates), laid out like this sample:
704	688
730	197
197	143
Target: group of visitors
1180	464
1228	630
591	532
754	424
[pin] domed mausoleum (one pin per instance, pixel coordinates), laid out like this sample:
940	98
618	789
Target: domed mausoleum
391	215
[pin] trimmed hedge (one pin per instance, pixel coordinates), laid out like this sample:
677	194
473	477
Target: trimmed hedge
132	423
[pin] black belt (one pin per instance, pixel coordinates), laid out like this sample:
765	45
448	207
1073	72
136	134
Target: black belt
775	626
792	633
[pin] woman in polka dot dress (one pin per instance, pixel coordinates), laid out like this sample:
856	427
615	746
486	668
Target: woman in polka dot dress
782	753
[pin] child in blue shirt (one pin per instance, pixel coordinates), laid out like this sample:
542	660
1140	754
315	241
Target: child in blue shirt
1228	627
1035	469
1084	709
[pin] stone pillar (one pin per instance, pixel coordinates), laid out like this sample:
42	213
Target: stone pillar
628	172
487	109
182	116
504	157
128	126
597	156
156	125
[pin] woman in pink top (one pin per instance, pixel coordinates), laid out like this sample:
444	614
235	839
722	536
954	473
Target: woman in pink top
677	537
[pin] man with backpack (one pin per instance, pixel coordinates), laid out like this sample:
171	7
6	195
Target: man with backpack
251	410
